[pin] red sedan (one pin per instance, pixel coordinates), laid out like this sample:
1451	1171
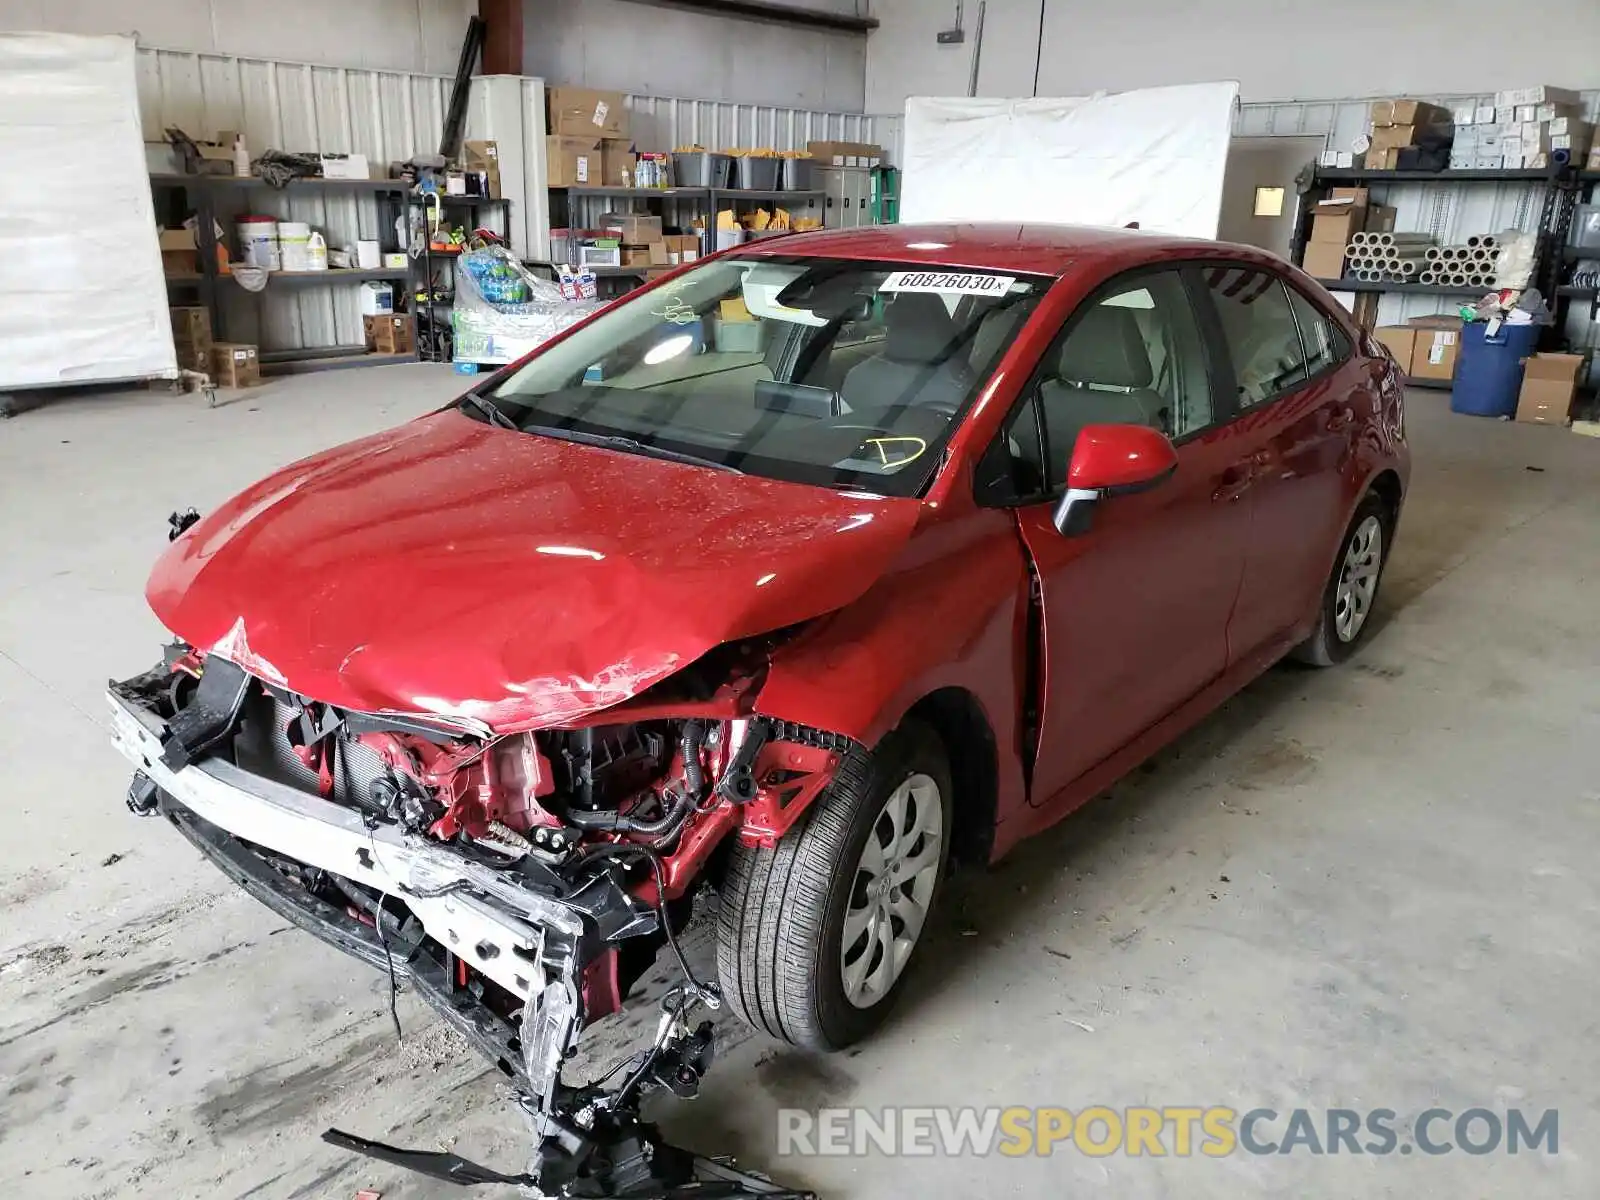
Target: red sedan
800	574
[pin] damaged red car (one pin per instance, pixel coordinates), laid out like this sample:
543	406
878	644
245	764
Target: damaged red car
797	576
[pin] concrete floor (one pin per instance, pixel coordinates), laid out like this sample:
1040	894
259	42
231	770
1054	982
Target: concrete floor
1370	887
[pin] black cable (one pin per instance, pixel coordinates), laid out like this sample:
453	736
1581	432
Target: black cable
615	849
1038	50
388	957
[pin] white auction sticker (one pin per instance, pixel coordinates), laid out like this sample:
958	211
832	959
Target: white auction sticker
948	283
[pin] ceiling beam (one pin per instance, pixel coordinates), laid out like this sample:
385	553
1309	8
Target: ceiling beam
766	10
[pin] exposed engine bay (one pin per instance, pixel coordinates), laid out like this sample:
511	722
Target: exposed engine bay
520	884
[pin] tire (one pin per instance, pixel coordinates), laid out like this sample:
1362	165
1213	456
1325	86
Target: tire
782	920
1333	640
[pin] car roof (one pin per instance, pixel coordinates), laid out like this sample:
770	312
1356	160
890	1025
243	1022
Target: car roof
1036	248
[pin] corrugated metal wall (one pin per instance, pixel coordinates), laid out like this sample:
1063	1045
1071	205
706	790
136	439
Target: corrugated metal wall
661	123
294	106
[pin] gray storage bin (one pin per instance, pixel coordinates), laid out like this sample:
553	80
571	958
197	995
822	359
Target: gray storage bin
756	174
796	175
701	169
739	337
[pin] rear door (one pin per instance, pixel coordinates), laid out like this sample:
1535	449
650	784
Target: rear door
1291	378
1134	612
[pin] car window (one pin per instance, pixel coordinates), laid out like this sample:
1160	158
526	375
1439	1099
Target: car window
1134	356
1259	327
1324	342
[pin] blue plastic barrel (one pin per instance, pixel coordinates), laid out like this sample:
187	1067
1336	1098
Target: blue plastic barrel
1489	369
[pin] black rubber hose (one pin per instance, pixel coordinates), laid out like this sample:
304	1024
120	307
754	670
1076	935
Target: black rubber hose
617	823
694	734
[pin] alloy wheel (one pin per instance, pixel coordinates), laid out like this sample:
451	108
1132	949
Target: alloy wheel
892	890
1358	580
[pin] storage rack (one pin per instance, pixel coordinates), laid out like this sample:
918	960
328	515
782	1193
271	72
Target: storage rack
703	202
1566	187
433	328
200	195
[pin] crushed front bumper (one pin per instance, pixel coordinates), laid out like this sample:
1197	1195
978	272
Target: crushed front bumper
525	942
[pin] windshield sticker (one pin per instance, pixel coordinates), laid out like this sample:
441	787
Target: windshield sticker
676	312
948	283
897	451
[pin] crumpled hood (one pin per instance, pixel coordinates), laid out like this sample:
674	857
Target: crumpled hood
461	570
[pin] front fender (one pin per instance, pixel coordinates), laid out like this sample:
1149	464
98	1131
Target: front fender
949	614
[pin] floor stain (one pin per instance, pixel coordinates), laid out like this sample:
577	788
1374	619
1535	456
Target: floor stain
141	979
1283	763
267	1097
796	1079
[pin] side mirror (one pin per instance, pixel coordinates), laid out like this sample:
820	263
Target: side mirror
1111	460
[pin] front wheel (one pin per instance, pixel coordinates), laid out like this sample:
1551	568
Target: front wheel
814	935
1352	590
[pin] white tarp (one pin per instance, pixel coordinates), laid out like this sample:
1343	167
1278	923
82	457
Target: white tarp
82	297
1155	156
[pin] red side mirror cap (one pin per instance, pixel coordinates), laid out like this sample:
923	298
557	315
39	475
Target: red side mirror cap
1116	459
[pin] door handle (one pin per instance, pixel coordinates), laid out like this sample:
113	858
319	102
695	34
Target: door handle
1235	483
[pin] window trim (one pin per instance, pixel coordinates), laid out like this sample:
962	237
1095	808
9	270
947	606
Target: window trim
1223	410
1342	343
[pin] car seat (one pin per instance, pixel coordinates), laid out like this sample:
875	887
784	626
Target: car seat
919	366
1103	377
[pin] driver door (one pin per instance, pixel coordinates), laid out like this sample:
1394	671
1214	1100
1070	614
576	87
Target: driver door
1134	611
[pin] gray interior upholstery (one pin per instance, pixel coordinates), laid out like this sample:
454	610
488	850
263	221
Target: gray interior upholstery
917	366
1103	377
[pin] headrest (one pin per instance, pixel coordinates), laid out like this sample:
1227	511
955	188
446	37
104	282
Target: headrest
1105	347
920	329
994	331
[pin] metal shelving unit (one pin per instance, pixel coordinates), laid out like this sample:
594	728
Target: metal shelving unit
434	333
1566	188
200	197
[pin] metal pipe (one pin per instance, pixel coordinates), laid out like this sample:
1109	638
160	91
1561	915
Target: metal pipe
977	53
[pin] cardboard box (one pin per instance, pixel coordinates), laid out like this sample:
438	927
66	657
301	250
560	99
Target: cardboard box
1438	342
572	161
191	325
1549	382
586	112
347	166
1543	94
1488	163
617	161
845	154
682	247
1407	112
235	365
1392	137
1483	114
483	157
1400	341
1336	158
390	333
1324	260
634	229
1381	160
178	256
1505	114
1558	112
652	254
194	358
1568	125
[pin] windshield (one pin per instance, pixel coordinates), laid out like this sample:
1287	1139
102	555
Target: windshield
815	370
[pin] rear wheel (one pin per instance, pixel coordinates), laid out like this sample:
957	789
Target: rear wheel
1352	591
814	935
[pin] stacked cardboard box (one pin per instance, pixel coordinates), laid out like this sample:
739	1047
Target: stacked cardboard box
390	333
1521	130
1346	211
1408	135
587	142
191	337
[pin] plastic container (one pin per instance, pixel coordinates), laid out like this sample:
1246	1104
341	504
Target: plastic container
701	169
756	174
258	242
1489	368
316	252
377	299
795	175
1586	227
368	255
728	238
294	245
